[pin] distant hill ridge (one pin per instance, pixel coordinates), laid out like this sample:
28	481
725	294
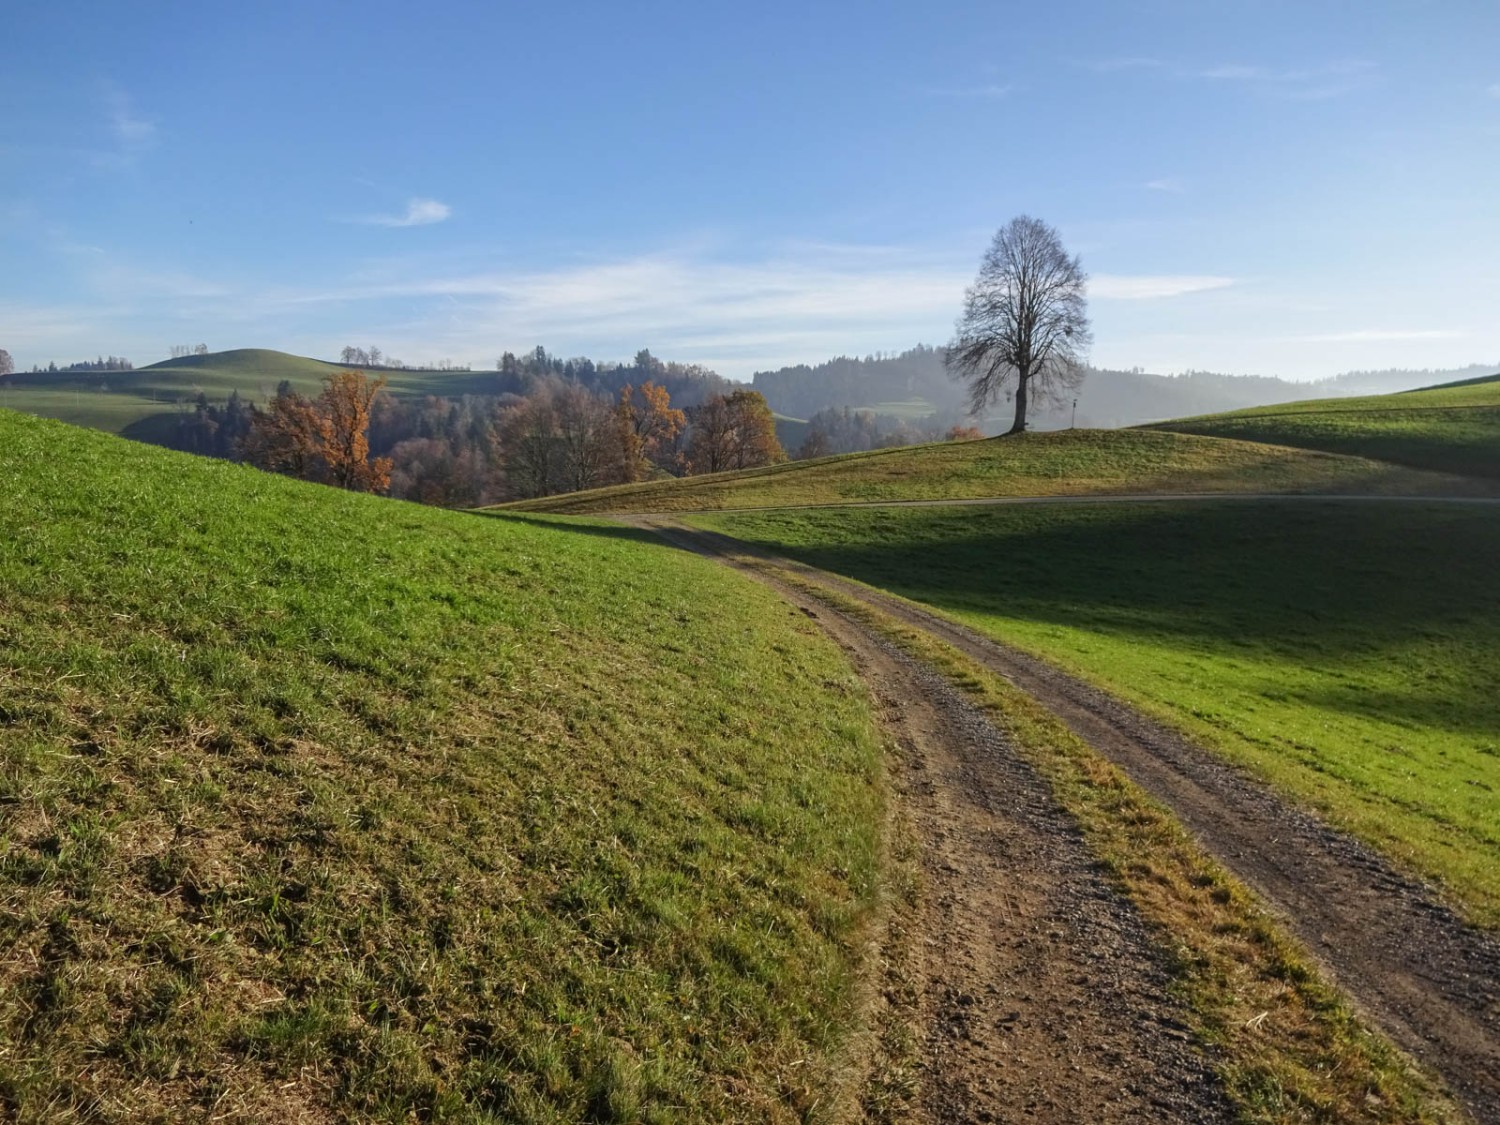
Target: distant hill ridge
914	383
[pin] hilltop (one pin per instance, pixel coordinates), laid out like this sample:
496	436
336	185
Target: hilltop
144	403
1061	463
1453	427
318	806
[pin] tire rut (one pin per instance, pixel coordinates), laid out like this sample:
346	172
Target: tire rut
1413	966
1044	996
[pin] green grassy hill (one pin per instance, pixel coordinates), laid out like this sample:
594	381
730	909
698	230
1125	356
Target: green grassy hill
1062	463
1346	652
317	806
790	432
143	403
1453	428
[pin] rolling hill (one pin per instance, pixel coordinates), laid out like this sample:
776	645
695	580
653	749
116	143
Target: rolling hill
143	404
316	806
1063	463
1452	428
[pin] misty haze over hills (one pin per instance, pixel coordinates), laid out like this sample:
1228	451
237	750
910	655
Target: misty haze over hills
903	384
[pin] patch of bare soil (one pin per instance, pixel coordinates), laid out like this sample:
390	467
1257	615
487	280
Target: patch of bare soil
1414	967
1043	995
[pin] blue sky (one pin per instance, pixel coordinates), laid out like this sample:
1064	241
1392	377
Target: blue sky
1294	189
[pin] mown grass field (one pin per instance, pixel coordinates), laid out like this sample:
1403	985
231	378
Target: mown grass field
1451	429
317	806
1062	463
1346	652
144	403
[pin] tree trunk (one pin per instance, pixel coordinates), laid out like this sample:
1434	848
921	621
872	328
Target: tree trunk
1019	426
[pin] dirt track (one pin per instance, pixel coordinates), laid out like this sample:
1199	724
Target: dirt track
1414	968
1043	996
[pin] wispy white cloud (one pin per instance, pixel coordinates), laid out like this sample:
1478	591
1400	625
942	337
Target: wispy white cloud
1124	62
1170	184
419	213
1151	287
988	90
1236	72
131	130
1378	336
1331	80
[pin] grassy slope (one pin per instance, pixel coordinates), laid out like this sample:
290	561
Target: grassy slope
1069	462
138	403
314	805
1454	428
1346	652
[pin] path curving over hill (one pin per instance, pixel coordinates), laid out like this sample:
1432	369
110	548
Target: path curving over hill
1419	972
1043	994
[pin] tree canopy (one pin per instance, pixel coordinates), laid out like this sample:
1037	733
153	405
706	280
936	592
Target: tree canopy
1025	323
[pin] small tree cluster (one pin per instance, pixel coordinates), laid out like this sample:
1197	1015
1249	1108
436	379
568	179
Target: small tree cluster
734	431
842	430
561	438
181	351
649	431
325	439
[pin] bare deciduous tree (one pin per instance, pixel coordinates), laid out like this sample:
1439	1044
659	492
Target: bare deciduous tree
1025	325
7	365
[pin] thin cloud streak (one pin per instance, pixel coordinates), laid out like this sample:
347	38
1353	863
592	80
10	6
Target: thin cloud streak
419	213
132	131
1115	287
992	91
1332	80
1378	336
1128	62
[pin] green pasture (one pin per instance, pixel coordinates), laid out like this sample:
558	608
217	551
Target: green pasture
320	806
1062	463
1451	429
1346	652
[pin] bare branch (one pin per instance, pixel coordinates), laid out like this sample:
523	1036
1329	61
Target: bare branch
1024	328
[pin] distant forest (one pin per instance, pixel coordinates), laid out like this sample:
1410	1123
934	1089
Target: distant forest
551	425
890	385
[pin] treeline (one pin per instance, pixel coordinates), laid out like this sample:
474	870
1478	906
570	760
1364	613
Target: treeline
803	390
688	384
842	430
103	363
373	357
560	436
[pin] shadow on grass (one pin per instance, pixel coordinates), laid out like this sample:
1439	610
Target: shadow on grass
1324	581
595	525
1320	586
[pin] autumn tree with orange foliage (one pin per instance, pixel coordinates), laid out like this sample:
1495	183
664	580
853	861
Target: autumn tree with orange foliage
344	411
964	433
649	428
286	437
325	439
